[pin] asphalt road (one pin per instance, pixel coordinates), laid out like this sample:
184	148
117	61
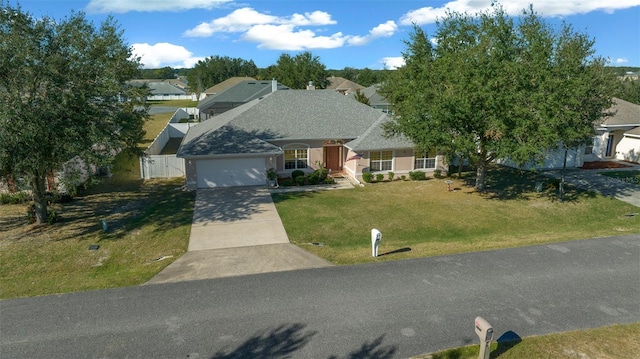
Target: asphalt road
382	310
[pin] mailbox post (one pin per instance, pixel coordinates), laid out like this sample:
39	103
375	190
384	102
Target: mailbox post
484	330
376	236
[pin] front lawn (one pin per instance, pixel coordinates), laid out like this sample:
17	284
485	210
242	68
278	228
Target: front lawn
148	226
419	219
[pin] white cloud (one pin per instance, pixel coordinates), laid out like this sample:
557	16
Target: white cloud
284	37
383	30
244	19
287	33
164	54
621	60
124	6
429	15
392	63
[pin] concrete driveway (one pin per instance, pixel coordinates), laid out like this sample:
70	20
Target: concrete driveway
236	231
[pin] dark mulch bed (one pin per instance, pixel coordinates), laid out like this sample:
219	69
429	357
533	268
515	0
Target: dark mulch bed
596	165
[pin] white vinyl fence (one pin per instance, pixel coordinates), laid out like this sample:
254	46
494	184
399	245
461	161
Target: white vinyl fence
155	165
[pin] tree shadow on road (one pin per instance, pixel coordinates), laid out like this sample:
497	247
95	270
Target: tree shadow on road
372	350
279	343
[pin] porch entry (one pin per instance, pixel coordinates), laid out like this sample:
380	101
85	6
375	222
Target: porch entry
333	157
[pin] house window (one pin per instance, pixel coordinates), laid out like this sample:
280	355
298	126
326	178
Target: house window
425	162
296	156
381	160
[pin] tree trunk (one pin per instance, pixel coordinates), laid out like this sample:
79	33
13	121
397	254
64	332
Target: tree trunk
39	197
561	185
481	174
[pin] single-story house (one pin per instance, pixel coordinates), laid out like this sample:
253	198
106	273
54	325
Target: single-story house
375	99
236	95
618	137
295	130
228	83
342	85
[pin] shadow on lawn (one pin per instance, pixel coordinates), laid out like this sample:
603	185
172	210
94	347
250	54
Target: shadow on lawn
506	183
161	203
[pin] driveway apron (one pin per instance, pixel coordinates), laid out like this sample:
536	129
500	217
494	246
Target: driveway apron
236	231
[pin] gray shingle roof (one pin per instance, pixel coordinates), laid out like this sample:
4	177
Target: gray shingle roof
242	92
228	83
287	115
374	139
624	113
164	88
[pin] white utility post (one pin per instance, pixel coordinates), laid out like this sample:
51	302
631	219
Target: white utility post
376	236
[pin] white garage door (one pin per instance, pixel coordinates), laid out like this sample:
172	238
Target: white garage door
231	172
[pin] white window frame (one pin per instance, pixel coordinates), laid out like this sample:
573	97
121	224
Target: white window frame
381	161
425	159
298	158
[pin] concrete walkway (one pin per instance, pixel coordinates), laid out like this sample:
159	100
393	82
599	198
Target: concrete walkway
236	231
607	186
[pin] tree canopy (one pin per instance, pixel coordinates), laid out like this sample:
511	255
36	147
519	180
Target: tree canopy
215	69
494	87
64	95
297	71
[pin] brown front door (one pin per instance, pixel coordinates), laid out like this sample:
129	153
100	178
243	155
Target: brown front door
333	161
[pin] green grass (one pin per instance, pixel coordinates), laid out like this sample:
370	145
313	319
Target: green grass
617	341
627	176
420	219
174	103
145	221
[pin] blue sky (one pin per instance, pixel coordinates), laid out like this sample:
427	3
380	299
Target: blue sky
346	33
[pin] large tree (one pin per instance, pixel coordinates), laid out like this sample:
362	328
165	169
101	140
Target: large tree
297	71
215	69
64	95
495	87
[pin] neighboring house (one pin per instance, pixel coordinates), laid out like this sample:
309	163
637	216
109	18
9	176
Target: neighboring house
342	85
618	135
228	83
165	89
618	138
375	99
295	130
234	96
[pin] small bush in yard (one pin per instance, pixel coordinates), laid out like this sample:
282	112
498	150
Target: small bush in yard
379	177
403	177
314	179
300	180
14	198
297	173
367	177
322	174
417	175
437	173
390	176
287	182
